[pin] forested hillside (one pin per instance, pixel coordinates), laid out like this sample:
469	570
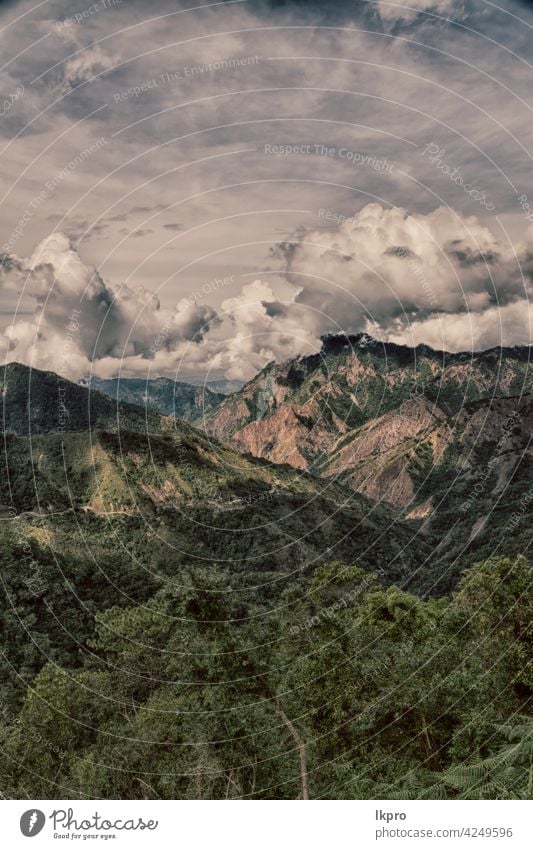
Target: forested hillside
35	401
181	620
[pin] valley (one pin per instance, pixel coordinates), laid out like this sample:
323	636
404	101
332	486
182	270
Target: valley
293	561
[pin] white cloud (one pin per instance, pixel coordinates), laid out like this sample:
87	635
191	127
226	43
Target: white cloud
87	63
258	335
436	278
110	326
511	324
386	266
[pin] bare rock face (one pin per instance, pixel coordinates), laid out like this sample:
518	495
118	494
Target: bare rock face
412	420
421	511
285	437
385	481
223	425
379	417
496	436
377	459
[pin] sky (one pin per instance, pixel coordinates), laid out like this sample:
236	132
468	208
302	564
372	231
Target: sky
197	189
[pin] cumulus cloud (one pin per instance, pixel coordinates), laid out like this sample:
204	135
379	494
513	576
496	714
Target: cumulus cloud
111	326
511	324
387	268
437	278
260	333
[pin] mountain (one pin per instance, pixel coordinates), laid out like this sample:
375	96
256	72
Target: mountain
170	397
359	408
208	500
475	501
195	501
215	622
35	401
391	457
222	385
415	492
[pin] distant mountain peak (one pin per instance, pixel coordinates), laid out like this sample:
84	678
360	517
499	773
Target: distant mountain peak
171	397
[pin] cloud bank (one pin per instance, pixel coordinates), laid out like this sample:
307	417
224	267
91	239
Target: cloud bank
437	278
413	276
113	327
408	10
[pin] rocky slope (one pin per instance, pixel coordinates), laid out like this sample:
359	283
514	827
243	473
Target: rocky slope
377	459
477	501
368	413
446	488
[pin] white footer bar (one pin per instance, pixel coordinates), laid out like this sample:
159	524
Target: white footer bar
268	825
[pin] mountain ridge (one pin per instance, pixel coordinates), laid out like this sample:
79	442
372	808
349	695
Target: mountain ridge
307	409
170	397
36	401
205	498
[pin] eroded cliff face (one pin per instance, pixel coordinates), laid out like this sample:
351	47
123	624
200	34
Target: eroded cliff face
285	437
372	459
380	418
377	459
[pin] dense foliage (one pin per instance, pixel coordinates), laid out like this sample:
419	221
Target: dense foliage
35	401
336	688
